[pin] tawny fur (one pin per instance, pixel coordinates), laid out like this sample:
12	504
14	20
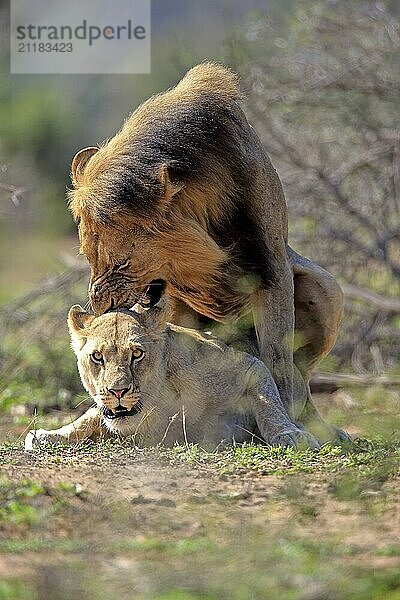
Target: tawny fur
185	192
186	387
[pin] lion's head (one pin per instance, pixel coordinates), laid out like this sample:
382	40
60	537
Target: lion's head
125	255
134	256
153	201
121	362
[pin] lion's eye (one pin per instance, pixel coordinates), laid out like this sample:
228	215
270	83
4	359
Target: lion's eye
97	357
137	354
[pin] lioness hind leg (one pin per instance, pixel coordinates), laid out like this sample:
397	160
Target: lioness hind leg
87	426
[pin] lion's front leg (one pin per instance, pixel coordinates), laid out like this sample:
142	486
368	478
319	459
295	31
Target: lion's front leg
273	311
272	419
271	416
87	426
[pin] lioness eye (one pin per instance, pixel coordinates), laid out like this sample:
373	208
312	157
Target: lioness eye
97	357
137	354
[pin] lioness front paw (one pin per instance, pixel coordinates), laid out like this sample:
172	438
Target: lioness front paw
40	437
295	438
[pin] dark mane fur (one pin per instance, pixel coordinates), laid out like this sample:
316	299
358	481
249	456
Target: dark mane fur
199	133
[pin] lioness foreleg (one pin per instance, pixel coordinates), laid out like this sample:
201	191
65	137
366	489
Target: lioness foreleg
87	426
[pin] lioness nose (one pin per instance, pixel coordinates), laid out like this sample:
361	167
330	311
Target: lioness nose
118	393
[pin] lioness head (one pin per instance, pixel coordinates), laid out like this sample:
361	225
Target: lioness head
121	362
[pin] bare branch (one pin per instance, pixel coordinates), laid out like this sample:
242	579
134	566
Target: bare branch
382	303
345	380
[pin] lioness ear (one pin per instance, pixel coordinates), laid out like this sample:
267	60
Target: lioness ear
170	188
78	319
80	161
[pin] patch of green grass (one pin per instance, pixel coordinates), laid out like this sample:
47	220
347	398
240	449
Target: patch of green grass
16	506
184	595
194	545
26	504
16	589
377	459
391	550
254	566
41	544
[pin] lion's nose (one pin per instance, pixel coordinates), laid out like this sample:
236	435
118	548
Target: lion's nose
118	393
100	304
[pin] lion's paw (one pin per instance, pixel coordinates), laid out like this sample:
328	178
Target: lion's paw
340	436
329	434
37	438
295	438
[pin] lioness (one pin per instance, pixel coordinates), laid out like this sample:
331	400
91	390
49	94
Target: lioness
184	198
162	383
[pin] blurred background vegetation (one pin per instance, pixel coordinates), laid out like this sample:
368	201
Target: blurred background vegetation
322	84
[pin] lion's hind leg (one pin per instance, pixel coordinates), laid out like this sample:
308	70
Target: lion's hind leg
318	302
318	312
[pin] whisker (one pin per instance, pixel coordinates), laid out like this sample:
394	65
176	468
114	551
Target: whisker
82	401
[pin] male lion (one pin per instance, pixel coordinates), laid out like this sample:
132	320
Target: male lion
184	198
162	383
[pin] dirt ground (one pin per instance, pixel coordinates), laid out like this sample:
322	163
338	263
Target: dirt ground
169	525
157	526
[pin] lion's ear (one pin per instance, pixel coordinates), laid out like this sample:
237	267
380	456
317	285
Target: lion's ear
78	319
80	161
170	188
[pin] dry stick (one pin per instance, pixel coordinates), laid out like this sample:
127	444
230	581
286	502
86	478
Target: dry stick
31	422
15	192
49	286
215	451
380	302
171	420
253	435
350	379
184	425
